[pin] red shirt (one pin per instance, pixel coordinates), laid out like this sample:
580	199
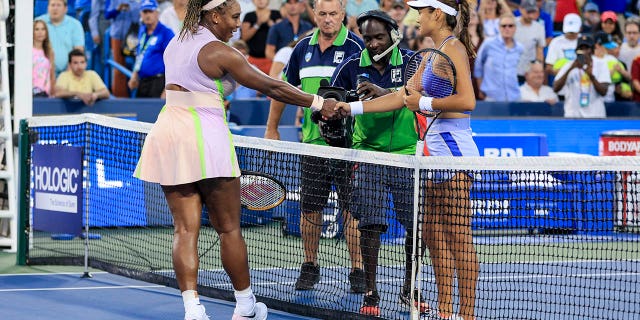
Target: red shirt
563	7
635	75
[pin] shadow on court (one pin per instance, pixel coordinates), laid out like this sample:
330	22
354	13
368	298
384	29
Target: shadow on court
104	296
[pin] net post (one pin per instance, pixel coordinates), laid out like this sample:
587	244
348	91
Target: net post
86	273
23	187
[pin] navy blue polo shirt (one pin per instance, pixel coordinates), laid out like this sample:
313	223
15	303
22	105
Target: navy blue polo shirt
308	66
281	33
149	60
391	131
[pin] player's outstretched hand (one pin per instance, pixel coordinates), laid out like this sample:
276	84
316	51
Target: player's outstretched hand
343	109
329	109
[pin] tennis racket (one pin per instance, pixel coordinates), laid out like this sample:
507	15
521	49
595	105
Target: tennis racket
259	191
432	73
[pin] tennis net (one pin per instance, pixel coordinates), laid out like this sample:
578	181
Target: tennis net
556	238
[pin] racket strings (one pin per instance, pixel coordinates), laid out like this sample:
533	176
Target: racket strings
260	192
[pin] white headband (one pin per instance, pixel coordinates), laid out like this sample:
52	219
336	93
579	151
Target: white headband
212	4
434	4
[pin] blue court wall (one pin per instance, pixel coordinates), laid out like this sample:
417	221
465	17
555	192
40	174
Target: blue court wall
563	135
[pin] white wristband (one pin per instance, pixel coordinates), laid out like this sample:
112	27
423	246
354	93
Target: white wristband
356	108
317	103
425	104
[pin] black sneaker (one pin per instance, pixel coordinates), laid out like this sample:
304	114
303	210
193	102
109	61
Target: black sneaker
405	299
357	281
370	304
309	276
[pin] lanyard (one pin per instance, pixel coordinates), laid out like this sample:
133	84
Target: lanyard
145	44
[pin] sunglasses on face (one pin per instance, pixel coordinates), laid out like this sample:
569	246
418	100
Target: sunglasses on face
507	25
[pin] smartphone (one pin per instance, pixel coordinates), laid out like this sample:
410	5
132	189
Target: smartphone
581	59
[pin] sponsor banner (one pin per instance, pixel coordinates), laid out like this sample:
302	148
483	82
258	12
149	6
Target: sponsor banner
57	188
511	145
620	143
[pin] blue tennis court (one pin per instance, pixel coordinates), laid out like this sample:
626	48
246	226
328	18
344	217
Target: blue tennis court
104	296
523	286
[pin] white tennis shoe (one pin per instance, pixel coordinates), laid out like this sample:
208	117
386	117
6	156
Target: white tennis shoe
197	314
260	312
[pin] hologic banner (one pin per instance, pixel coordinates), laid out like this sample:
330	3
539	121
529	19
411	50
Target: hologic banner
57	188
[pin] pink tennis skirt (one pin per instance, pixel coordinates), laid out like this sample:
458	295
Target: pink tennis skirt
189	142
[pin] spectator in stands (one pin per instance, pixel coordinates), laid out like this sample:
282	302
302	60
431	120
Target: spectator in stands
490	12
148	71
65	32
635	78
385	5
391	132
476	36
544	18
605	49
291	28
534	89
173	16
98	25
530	34
124	16
329	45
562	48
80	83
617	7
397	12
255	28
496	67
163	5
354	8
590	17
563	8
609	24
585	81
630	48
43	72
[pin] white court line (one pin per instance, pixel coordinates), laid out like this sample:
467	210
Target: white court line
46	274
432	279
550	262
83	288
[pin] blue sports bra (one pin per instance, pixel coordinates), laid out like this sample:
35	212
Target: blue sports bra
434	85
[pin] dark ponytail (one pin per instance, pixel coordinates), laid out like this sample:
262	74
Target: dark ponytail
463	35
195	15
460	23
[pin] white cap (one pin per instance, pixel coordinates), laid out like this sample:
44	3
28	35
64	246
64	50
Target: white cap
571	23
417	4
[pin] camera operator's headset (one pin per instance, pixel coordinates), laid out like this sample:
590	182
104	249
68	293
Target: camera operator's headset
391	25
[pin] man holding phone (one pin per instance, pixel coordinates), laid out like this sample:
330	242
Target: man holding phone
585	82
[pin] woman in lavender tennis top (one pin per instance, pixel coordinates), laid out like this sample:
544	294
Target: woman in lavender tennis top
447	231
190	153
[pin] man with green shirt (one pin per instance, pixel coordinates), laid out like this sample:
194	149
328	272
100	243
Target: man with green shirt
383	64
313	59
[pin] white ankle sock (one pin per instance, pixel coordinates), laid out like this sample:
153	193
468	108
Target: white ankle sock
191	301
245	302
